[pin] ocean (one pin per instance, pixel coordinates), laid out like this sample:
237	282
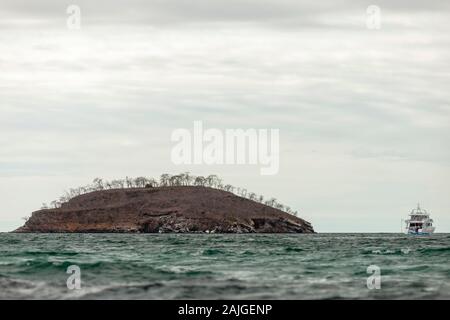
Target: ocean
224	266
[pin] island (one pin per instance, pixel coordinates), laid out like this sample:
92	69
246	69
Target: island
163	209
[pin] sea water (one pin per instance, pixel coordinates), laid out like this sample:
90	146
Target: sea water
224	266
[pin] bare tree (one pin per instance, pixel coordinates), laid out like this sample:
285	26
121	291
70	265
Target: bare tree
270	202
164	180
186	178
98	183
228	188
117	184
55	204
129	182
213	180
63	199
176	180
182	179
151	183
140	182
200	181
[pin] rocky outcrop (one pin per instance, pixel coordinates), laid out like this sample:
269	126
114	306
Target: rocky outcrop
185	209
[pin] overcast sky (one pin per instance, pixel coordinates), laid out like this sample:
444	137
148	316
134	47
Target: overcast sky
363	114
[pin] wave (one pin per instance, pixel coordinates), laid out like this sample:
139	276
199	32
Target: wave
20	288
386	252
293	249
432	251
51	253
222	266
212	252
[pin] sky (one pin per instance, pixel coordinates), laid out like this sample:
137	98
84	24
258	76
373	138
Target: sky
363	113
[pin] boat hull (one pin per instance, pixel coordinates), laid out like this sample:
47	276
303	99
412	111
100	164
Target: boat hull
421	232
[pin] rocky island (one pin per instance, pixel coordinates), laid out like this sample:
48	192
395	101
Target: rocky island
163	209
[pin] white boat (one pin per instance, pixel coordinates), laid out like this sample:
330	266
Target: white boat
419	222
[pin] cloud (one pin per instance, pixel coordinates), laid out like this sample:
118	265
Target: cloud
355	107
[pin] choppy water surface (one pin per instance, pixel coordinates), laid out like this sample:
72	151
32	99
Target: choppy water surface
175	266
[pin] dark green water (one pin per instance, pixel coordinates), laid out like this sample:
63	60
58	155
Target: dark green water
164	266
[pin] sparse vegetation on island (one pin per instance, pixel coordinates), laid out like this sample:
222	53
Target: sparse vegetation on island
167	180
